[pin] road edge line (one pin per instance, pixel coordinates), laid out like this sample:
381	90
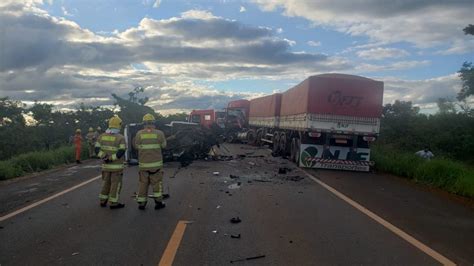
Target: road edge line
173	244
21	210
399	232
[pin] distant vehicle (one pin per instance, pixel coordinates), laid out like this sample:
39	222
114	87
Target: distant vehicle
337	112
208	117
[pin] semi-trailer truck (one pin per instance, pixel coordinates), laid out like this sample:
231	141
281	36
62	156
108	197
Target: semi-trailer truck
326	121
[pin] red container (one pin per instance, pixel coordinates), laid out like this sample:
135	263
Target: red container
334	94
266	106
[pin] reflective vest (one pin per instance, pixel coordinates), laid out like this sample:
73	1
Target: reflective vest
149	142
109	145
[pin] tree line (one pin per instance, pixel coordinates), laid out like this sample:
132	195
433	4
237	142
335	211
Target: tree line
40	127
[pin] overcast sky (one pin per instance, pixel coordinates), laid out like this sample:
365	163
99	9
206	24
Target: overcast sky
201	54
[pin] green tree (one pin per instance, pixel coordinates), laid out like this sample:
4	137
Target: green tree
133	109
466	73
446	106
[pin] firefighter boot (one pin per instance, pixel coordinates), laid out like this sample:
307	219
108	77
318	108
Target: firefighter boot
103	203
159	205
141	205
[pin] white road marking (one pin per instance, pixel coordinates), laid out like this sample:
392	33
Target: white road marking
24	209
424	248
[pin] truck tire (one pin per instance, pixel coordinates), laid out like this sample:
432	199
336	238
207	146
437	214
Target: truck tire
297	152
276	143
251	137
293	150
258	140
283	144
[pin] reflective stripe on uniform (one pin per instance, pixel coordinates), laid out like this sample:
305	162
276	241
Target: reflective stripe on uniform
101	154
109	148
116	198
122	147
114	157
149	136
149	146
141	199
157	194
103	197
112	166
108	138
97	144
151	165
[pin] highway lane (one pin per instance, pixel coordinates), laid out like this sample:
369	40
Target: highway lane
292	221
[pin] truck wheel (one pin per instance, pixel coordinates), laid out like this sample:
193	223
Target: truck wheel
297	151
293	150
276	142
283	144
251	137
258	140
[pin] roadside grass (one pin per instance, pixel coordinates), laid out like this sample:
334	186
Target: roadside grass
443	173
37	161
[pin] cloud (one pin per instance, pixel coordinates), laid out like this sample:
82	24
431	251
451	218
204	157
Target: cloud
65	12
400	65
382	53
314	43
242	9
421	92
53	59
157	4
423	23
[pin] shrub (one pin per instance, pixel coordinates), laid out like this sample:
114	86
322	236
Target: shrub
443	173
37	161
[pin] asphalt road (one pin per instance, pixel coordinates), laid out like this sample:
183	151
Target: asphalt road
287	218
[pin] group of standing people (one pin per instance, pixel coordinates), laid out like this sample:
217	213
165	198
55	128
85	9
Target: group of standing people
91	138
110	147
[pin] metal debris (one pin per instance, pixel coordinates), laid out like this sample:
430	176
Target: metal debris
235	236
235	220
249	258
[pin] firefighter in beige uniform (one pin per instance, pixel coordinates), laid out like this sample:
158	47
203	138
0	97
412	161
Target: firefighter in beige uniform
149	142
91	140
110	147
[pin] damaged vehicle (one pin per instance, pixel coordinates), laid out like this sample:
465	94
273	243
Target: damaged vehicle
186	141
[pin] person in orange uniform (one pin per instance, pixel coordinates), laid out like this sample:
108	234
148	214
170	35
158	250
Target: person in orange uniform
149	142
78	145
110	148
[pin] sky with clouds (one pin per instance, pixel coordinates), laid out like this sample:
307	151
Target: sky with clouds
201	54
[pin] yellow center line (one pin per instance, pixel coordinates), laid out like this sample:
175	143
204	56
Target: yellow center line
170	252
24	209
424	248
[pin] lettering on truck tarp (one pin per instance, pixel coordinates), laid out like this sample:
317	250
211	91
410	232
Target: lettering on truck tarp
336	98
310	152
334	166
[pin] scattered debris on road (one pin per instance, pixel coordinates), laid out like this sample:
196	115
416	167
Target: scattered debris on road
234	176
235	236
295	178
215	173
215	231
235	220
75	253
234	186
249	258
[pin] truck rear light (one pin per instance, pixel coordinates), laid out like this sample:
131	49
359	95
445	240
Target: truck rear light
314	134
367	138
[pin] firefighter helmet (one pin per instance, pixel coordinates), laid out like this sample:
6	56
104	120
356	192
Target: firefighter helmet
115	122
